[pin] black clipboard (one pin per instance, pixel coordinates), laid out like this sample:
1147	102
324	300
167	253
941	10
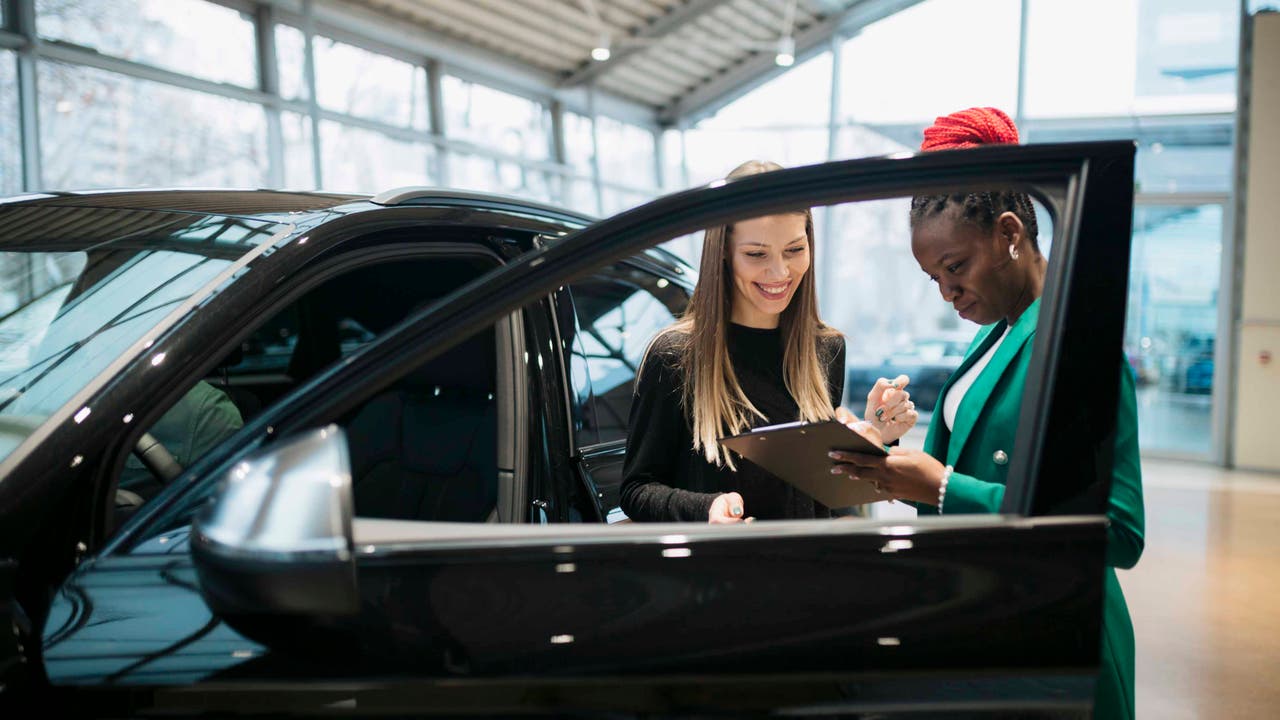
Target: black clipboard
797	453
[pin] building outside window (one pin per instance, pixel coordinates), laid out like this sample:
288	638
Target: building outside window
101	129
10	142
192	37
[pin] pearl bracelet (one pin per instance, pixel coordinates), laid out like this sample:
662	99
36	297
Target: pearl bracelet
942	487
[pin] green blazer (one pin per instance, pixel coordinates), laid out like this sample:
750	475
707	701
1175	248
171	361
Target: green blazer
979	449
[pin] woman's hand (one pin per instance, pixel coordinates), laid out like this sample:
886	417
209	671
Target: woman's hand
725	509
905	474
889	408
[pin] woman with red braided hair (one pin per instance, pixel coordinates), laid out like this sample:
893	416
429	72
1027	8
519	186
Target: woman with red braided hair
981	250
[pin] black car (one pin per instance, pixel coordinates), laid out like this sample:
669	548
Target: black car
314	454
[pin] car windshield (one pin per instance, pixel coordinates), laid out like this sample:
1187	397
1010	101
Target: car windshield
82	289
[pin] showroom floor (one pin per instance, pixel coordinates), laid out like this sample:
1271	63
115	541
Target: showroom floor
1205	597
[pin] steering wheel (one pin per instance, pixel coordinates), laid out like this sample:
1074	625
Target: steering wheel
157	458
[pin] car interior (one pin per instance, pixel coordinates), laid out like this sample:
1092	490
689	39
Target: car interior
426	448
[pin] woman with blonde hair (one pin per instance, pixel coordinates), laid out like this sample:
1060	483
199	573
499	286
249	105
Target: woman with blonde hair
750	350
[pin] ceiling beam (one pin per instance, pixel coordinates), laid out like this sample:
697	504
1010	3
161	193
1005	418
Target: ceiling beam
709	98
660	27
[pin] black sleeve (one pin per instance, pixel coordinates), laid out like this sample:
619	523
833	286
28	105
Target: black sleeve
657	436
835	369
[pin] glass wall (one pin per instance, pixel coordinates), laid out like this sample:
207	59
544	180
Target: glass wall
1171	329
291	62
299	160
101	129
10	142
578	189
1149	57
1162	72
191	37
632	156
784	120
932	59
364	84
495	120
132	126
359	160
476	172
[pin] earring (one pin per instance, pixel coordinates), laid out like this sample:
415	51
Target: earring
1013	252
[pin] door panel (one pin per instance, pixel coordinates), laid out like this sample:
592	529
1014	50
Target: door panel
602	471
836	596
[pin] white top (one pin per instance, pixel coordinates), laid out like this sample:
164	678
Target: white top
956	393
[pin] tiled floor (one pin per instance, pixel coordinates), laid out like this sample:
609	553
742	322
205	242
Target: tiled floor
1205	598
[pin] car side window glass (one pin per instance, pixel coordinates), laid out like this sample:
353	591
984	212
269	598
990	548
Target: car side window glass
269	348
435	445
326	323
619	311
427	447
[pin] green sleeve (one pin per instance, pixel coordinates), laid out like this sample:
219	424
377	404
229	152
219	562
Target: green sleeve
967	494
1125	535
213	418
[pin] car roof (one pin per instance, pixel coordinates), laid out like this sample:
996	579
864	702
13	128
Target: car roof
276	206
212	201
257	202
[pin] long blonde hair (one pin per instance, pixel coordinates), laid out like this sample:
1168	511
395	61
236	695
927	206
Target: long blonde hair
712	395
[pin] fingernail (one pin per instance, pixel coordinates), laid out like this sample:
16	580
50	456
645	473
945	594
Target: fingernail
836	470
736	510
833	455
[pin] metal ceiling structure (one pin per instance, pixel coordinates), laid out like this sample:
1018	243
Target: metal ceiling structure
668	59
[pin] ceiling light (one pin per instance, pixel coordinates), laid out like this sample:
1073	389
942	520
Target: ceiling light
786	56
600	52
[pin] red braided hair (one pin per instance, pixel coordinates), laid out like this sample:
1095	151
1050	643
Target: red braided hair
970	128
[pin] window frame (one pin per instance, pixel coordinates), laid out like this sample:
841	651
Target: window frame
119	449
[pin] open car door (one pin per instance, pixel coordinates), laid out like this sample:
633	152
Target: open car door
994	612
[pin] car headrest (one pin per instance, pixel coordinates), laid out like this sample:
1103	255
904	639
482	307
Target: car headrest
469	366
233	358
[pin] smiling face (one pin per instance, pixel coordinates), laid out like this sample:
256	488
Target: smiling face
769	256
972	266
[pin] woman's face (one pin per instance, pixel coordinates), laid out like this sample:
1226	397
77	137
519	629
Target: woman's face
769	256
972	267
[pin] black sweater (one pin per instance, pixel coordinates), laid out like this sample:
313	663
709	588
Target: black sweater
665	479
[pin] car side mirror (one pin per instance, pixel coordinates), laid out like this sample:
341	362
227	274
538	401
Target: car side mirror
276	539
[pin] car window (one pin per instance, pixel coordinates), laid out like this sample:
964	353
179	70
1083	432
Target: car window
66	315
326	323
435	445
427	447
618	312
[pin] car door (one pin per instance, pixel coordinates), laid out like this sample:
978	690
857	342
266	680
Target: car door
617	310
934	613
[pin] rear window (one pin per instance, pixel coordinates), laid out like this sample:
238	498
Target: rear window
81	289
